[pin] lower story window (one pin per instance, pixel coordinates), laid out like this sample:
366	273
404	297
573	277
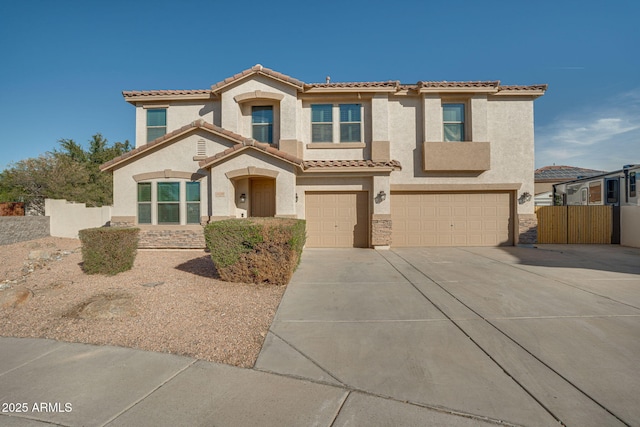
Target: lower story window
144	203
193	203
167	204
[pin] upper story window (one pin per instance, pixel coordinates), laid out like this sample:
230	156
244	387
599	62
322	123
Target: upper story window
262	123
632	184
453	122
156	123
350	123
321	123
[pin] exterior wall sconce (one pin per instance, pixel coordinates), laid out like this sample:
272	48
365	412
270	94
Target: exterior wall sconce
243	198
381	197
524	197
296	197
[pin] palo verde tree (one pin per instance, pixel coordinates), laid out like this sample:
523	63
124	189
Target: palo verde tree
70	172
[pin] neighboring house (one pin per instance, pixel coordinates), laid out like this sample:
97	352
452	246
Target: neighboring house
369	164
545	177
617	188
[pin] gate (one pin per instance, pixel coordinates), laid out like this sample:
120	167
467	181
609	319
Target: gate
576	224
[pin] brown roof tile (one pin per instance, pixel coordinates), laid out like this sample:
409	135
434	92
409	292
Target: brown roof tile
136	93
341	85
338	164
461	85
519	88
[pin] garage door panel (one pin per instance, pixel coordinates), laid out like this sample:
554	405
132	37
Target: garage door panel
451	219
337	219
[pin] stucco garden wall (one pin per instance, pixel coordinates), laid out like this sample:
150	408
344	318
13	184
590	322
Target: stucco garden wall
67	218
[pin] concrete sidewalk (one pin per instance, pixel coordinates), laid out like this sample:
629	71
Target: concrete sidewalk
44	382
408	337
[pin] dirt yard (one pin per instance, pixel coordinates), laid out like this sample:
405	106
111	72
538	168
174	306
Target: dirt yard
171	301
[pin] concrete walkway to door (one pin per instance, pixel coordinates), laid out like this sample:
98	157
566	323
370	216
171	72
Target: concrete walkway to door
517	335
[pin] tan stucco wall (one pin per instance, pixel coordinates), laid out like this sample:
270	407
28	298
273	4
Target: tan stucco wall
285	111
177	156
225	192
178	115
508	128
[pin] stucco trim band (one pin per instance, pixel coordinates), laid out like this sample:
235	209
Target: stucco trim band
257	94
456	187
251	171
168	173
335	145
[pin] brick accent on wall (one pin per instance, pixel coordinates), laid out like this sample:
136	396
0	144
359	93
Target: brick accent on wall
172	238
528	229
381	230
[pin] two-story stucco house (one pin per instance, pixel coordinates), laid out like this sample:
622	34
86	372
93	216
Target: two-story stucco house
369	164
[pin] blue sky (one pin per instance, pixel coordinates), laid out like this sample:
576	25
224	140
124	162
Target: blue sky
65	63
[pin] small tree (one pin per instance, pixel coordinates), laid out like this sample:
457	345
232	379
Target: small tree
71	173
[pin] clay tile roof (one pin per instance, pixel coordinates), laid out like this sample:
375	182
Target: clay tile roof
460	85
158	141
364	85
248	142
337	164
257	69
518	88
134	93
563	173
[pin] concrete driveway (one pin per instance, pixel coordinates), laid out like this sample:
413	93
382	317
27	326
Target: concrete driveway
517	335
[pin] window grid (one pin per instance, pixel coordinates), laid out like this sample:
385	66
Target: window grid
350	123
262	123
156	123
322	123
453	122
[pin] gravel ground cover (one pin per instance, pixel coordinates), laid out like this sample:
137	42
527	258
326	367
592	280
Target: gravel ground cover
171	301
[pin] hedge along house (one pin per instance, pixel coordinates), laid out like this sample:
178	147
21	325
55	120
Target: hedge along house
368	164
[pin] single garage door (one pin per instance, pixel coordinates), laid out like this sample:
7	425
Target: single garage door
451	219
337	220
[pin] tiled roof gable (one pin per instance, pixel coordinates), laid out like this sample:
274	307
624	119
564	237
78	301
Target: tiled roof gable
257	69
233	137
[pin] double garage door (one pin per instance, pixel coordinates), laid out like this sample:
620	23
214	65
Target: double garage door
341	219
451	219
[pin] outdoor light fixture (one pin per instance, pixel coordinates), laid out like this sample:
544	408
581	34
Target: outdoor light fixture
296	197
524	197
381	197
243	198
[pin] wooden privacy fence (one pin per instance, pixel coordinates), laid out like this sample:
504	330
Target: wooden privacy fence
575	224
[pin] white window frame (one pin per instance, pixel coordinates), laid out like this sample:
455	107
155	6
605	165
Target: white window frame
335	113
465	113
147	127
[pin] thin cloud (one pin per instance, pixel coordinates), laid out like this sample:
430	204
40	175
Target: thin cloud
605	138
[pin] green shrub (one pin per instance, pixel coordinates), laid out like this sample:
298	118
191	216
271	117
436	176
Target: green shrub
256	250
108	250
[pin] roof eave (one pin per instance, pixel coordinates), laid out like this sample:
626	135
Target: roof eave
490	90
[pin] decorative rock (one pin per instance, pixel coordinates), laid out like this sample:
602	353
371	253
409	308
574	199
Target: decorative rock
13	297
152	284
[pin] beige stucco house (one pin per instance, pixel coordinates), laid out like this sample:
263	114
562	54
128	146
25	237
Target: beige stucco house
369	164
